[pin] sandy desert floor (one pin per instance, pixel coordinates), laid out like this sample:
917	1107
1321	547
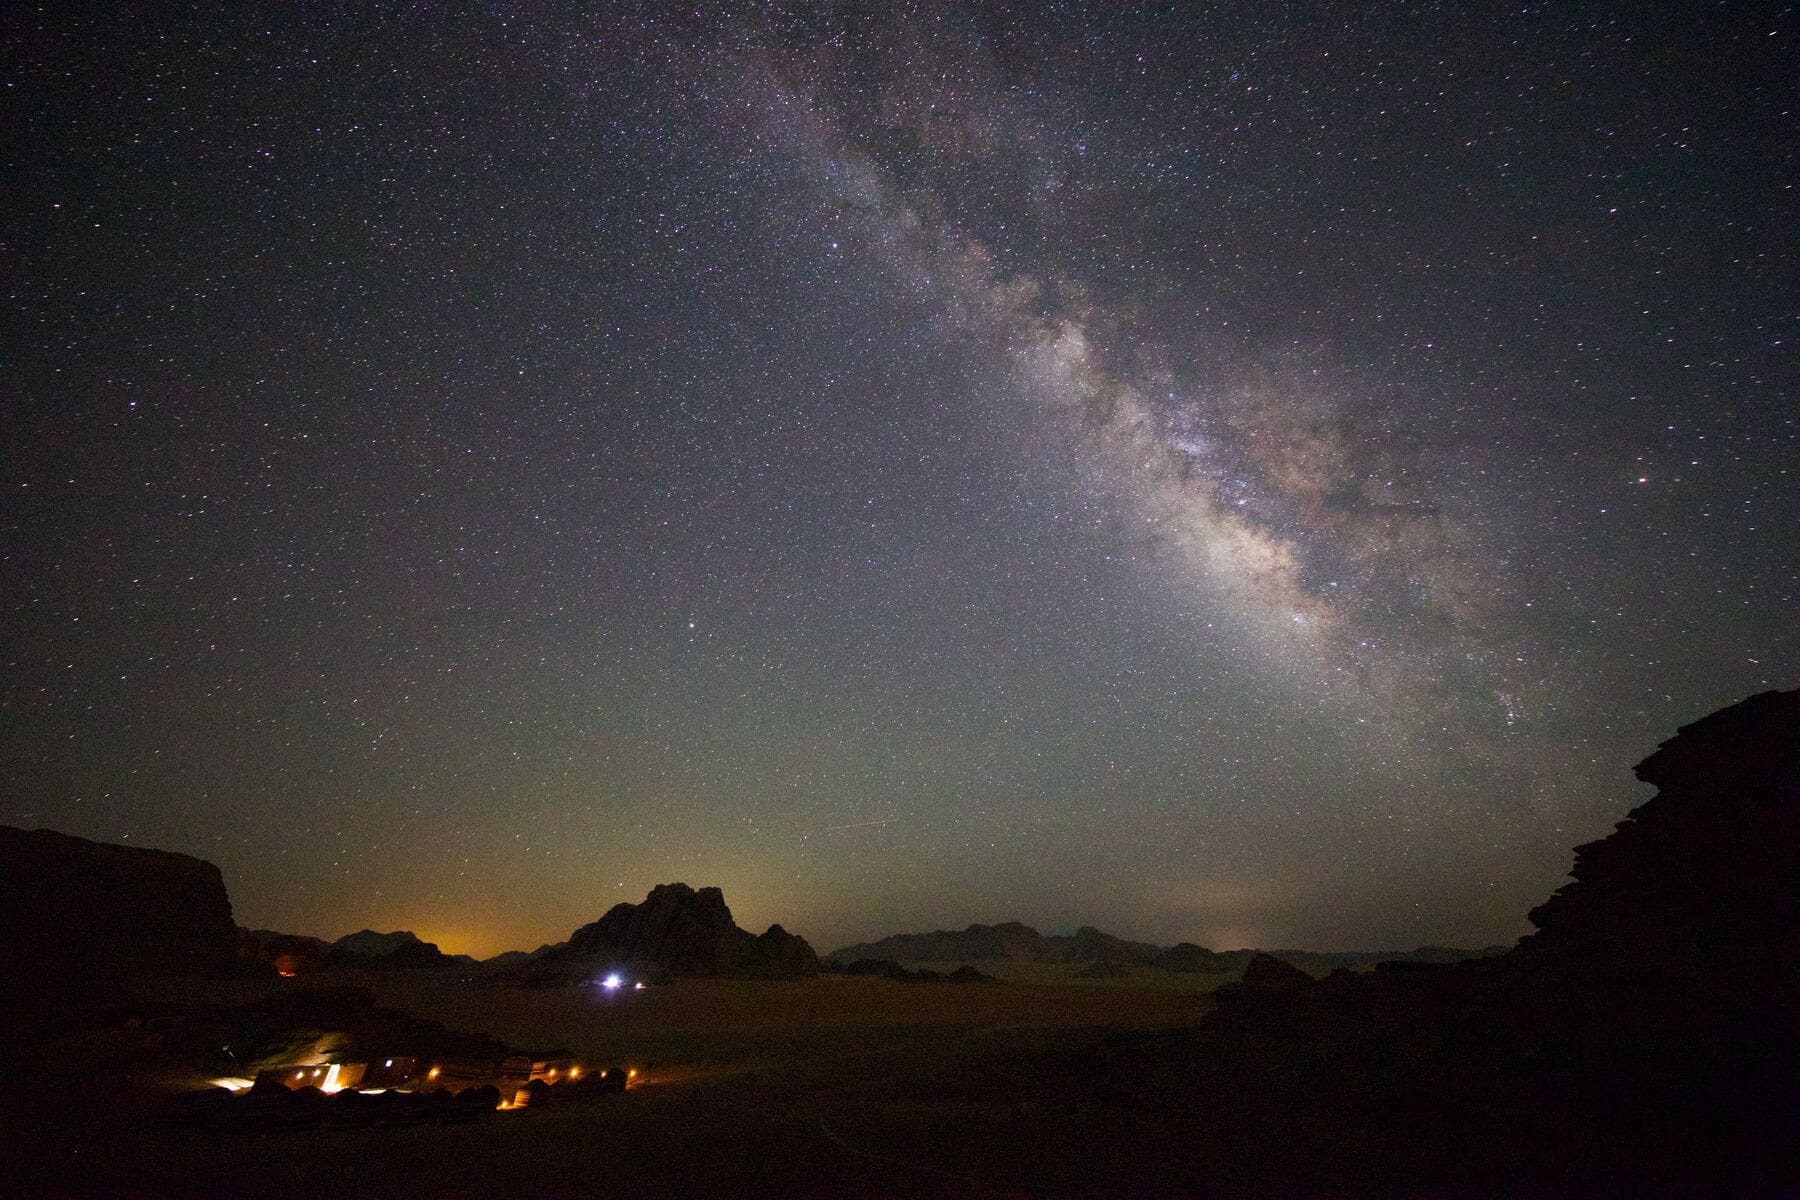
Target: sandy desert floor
829	1087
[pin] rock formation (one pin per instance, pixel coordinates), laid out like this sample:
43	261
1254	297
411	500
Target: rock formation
1641	1042
400	950
74	908
1702	878
677	931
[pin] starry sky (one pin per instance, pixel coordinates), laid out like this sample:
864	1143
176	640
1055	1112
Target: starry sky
1254	473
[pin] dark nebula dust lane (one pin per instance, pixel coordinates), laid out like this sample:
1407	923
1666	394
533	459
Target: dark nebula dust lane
1250	476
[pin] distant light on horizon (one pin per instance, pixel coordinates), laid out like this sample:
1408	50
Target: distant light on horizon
612	983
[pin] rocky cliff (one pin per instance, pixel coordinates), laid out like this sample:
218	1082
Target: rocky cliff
71	907
677	931
1702	878
1641	1042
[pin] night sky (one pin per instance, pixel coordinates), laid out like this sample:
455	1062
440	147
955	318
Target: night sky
1251	473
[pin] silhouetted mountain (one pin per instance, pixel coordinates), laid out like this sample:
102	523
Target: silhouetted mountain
400	950
72	908
677	931
1265	973
1009	940
882	968
510	958
1321	961
1021	943
1088	944
1188	958
1641	1042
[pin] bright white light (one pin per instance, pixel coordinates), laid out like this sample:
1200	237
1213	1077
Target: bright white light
639	986
612	983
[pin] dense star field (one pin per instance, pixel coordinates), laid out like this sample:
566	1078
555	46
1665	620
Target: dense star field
1255	474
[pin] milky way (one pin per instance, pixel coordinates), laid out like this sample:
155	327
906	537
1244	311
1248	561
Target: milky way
1232	475
1253	489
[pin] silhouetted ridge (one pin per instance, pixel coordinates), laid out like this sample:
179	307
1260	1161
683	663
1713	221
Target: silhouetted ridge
1012	941
1265	972
1642	1042
74	908
1704	873
401	949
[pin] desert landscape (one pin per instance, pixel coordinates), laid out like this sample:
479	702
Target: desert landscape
1641	1041
916	599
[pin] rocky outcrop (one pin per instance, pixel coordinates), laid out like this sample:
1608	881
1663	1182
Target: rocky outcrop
70	907
1700	881
678	931
1641	1042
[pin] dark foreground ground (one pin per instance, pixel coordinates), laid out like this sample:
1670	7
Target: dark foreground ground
831	1087
1645	1041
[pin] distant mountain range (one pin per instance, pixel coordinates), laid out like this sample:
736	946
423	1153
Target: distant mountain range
399	950
511	958
1018	942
